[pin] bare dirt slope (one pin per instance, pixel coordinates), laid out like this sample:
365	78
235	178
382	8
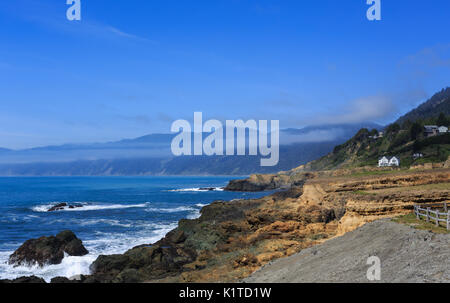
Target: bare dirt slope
407	255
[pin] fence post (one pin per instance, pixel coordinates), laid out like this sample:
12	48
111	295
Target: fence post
416	211
428	214
445	207
437	217
448	220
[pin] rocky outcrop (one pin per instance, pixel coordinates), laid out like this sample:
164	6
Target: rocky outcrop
208	248
371	197
48	250
230	240
21	280
145	262
227	242
264	182
71	280
299	175
210	188
62	206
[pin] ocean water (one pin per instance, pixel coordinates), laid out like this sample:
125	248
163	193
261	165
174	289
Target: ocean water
118	213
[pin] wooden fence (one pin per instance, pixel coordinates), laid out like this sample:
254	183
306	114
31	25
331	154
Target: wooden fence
433	214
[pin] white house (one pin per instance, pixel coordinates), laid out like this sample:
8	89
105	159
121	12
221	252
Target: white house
443	129
394	161
417	156
431	130
383	162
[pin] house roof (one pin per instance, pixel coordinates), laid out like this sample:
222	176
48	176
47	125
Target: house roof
388	158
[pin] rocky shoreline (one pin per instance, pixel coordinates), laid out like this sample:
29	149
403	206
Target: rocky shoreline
48	250
231	240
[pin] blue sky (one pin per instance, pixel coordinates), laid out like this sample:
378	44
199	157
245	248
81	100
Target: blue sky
131	68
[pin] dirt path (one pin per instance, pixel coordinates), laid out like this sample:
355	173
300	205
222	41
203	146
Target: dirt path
406	254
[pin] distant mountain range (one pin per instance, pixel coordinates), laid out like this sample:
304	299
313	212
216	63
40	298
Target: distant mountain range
151	155
157	145
319	147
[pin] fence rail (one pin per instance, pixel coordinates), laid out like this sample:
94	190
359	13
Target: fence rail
428	213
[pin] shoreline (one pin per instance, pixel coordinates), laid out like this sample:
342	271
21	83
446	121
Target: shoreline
230	241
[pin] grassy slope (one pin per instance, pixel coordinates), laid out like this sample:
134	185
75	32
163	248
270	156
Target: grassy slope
411	220
402	139
364	151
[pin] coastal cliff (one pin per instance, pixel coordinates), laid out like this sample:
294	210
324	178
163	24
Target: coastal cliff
406	254
227	242
231	240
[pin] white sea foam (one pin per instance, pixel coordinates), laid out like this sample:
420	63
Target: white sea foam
194	215
69	267
103	242
197	189
87	222
106	244
87	206
170	210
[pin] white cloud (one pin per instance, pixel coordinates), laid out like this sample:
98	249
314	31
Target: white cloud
312	136
431	57
367	109
46	14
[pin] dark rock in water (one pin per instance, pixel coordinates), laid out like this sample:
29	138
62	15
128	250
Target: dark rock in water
141	263
48	250
145	262
32	279
59	206
175	253
64	280
265	182
75	206
62	206
60	280
109	263
71	244
207	188
248	185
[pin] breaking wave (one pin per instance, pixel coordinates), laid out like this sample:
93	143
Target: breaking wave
105	244
87	206
197	189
